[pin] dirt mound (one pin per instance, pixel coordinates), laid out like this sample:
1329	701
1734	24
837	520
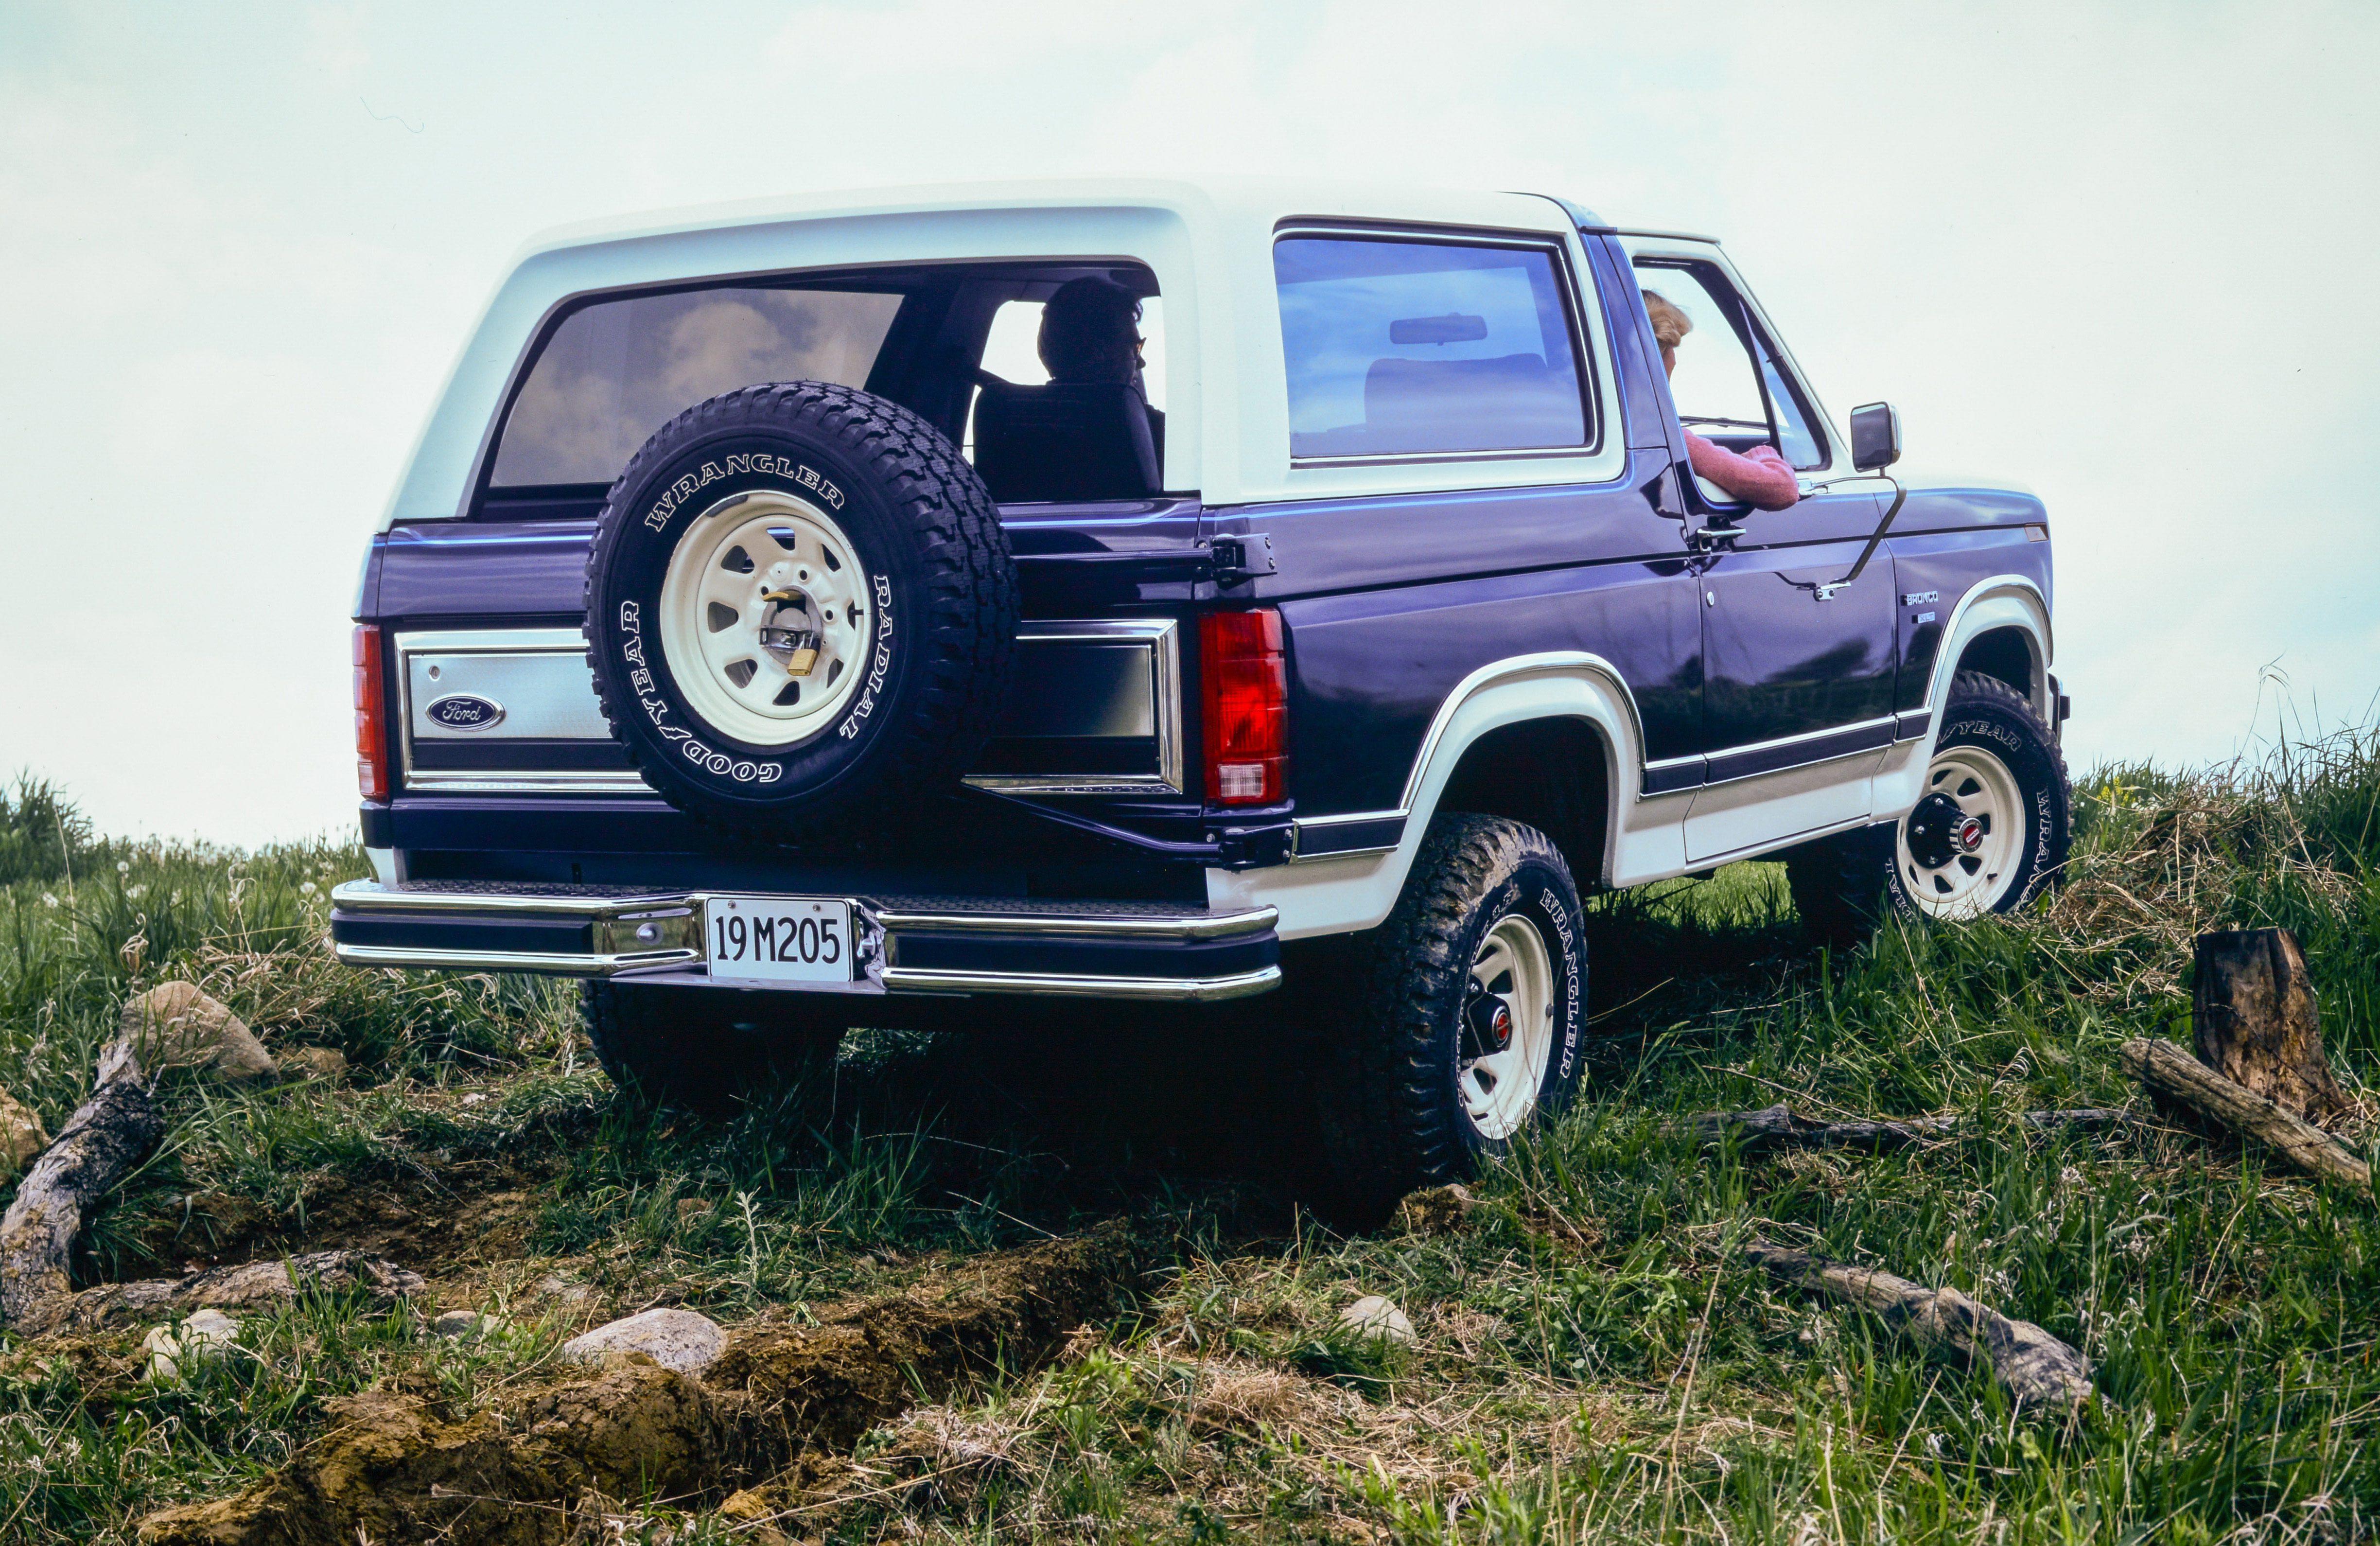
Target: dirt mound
475	1211
865	1359
394	1469
391	1470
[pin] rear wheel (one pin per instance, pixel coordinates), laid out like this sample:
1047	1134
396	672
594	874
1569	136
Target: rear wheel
1461	1016
1991	829
701	1047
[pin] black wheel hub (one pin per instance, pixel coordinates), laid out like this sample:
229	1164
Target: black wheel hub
1940	831
1487	1025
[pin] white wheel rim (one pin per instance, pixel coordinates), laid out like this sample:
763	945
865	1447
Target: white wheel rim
733	635
1499	1090
1975	881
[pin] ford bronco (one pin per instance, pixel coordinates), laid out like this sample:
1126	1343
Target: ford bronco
758	634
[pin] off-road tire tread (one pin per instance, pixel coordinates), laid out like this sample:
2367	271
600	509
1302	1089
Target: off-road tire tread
1383	1117
973	610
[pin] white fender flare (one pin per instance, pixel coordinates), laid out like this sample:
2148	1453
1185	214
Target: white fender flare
2001	602
1336	892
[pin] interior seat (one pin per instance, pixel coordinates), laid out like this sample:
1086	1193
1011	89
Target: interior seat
1069	440
1470	403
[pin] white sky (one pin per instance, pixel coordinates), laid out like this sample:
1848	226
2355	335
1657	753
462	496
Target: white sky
2117	253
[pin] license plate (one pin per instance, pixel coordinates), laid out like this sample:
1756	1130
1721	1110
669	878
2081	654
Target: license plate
778	939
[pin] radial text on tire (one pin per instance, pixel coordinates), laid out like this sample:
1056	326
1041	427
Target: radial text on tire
800	611
1463	1017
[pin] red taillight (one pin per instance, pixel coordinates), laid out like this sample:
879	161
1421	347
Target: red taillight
372	716
1246	678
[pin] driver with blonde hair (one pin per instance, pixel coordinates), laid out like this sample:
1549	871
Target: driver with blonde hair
1761	477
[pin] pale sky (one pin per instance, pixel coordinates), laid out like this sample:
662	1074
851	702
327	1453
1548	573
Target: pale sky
2114	253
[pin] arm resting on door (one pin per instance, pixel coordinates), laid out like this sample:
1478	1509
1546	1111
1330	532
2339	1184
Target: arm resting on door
1761	477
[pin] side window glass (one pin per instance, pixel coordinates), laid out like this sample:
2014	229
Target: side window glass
1728	387
1405	347
1793	436
616	372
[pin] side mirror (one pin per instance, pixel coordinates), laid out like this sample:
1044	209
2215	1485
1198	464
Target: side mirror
1875	437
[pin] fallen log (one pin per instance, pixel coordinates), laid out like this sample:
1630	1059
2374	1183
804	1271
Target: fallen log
100	1144
1776	1127
2257	1021
172	1025
249	1285
2169	1070
2034	1366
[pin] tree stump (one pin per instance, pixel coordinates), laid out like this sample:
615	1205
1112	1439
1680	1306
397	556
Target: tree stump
2257	1022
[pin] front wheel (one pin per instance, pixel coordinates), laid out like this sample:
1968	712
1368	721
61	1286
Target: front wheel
1991	827
1462	1019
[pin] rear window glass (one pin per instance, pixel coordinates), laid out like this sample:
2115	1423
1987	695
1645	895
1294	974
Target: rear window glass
617	370
1416	348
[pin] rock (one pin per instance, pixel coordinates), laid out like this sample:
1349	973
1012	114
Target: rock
163	1349
202	1337
469	1325
326	1064
174	1026
679	1339
21	1135
1435	1211
562	1289
209	1326
1375	1315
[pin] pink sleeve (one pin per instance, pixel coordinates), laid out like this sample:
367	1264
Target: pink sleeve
1763	478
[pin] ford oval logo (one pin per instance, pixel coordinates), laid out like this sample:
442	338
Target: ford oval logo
461	710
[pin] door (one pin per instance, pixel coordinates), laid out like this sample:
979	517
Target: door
1798	670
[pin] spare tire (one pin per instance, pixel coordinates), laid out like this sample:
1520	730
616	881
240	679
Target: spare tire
800	611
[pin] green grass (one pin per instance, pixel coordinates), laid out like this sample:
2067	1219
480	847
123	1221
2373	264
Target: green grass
1592	1362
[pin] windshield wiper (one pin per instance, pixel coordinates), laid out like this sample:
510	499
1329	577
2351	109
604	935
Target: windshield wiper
1733	423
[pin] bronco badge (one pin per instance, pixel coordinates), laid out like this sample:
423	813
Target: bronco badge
461	710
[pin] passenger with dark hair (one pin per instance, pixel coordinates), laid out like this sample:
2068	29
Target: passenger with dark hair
1090	332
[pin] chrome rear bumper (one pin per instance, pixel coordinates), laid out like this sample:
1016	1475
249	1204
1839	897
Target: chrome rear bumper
942	945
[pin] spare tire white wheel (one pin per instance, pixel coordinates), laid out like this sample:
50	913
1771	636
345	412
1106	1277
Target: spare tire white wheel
801	610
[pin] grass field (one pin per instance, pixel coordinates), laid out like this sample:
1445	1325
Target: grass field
1592	1360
